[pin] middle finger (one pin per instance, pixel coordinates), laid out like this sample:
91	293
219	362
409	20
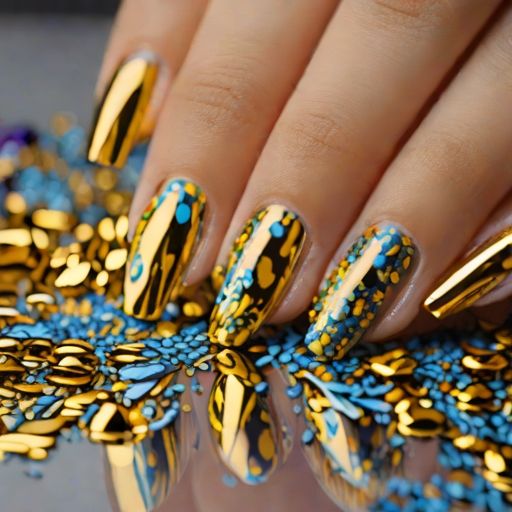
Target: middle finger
376	66
244	61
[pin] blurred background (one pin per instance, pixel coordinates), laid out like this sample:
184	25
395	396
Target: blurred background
50	52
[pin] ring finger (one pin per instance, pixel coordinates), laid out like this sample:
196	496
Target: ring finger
441	188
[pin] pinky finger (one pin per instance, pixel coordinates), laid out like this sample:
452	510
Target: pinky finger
484	275
147	47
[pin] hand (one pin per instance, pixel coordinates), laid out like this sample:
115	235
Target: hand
372	136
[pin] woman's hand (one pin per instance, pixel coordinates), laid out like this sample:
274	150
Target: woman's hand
368	137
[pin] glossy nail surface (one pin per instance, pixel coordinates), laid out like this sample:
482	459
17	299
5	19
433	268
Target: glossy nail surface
261	264
355	290
241	421
120	113
162	247
479	273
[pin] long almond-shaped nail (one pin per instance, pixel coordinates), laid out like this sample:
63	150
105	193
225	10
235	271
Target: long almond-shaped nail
242	422
120	113
260	266
162	247
352	295
475	276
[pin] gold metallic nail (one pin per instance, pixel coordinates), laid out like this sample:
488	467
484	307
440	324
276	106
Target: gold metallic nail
141	475
260	267
479	273
355	290
241	420
162	247
120	114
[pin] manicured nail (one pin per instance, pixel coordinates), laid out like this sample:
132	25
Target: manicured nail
475	276
260	266
140	475
354	292
120	113
162	247
243	426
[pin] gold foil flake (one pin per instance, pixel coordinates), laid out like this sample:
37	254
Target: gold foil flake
106	229
84	232
121	227
193	309
116	259
166	329
494	461
105	178
53	220
17	237
393	363
73	276
15	203
43	427
417	421
494	362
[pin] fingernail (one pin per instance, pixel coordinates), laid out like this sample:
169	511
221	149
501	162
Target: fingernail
162	247
354	292
260	266
241	420
120	113
474	277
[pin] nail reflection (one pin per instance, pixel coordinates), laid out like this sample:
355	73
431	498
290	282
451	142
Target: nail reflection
242	423
141	475
351	461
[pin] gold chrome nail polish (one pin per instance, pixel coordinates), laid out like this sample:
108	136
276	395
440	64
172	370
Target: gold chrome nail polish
352	295
241	420
120	114
260	266
162	247
479	273
140	475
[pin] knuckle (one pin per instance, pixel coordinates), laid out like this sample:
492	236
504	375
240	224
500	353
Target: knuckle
315	130
223	92
453	162
415	14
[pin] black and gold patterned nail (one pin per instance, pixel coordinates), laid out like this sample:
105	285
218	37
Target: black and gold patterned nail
162	248
354	292
120	113
261	264
474	277
242	423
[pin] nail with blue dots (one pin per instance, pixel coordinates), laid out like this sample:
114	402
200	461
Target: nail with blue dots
351	296
162	248
260	267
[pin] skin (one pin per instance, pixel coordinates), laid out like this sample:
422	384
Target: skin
349	113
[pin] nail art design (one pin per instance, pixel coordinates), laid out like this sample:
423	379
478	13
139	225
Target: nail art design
261	264
241	420
121	112
354	292
162	247
477	275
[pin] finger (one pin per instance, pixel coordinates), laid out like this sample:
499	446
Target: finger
162	31
443	185
215	120
331	144
483	276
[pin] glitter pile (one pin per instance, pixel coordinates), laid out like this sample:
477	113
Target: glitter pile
73	365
